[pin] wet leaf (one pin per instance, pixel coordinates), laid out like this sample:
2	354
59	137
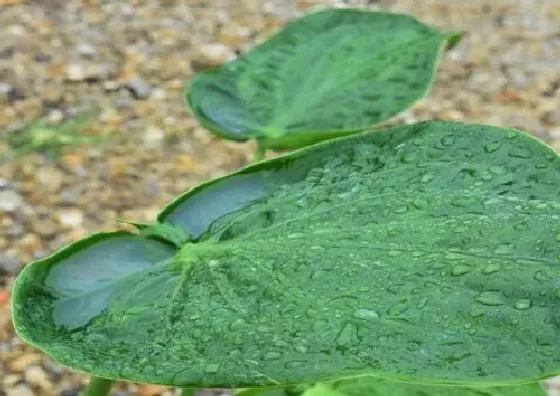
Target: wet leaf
426	253
329	73
367	386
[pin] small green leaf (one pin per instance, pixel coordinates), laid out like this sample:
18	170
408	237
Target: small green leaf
327	74
427	253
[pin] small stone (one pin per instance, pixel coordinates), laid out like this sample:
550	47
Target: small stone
159	94
35	375
10	201
153	136
50	178
70	218
9	264
139	88
111	86
55	116
19	364
21	390
213	54
45	228
76	72
86	50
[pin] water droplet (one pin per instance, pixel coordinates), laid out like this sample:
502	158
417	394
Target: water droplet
492	147
460	270
346	335
486	177
541	276
504	248
453	256
520	226
272	355
418	141
419	203
301	348
418	253
522	304
491	268
448	140
491	298
408	158
398	308
476	312
366	314
541	206
401	209
520	152
422	303
211	368
498	169
237	324
460	229
426	178
512	134
393	253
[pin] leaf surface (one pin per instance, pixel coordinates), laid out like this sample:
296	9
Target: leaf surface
326	74
426	253
368	386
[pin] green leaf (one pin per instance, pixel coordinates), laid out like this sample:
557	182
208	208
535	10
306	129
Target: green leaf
163	231
369	386
427	253
327	74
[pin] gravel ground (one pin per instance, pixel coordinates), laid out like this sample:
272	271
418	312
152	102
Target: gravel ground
130	59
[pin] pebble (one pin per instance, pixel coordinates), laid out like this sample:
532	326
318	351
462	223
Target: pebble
76	72
213	54
36	376
153	136
21	390
9	264
70	217
10	200
139	88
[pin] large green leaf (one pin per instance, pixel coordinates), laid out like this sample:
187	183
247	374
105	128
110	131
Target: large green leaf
426	253
368	386
324	75
371	386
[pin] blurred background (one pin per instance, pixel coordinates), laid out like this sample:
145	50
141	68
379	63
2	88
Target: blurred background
93	125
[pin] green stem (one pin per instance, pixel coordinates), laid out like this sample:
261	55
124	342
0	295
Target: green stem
187	392
98	387
259	154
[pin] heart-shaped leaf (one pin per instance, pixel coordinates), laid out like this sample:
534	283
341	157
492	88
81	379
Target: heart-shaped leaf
327	74
368	386
425	253
371	386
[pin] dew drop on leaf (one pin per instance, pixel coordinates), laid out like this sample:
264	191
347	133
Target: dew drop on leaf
491	298
460	270
492	147
211	368
476	312
426	178
522	304
491	268
366	314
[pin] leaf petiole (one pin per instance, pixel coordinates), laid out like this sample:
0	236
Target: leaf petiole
98	387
